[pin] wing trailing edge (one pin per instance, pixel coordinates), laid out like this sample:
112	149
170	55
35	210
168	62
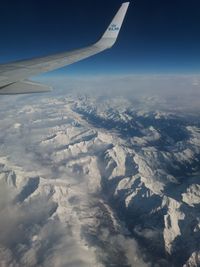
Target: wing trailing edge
24	87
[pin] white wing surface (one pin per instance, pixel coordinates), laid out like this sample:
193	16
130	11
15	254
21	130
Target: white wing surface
13	75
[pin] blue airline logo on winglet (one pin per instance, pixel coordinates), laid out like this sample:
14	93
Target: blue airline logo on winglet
113	27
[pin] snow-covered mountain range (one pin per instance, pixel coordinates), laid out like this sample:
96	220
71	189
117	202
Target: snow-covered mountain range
98	181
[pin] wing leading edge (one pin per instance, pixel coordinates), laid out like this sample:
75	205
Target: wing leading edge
12	75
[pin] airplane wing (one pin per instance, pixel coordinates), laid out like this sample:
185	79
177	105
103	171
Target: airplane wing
13	75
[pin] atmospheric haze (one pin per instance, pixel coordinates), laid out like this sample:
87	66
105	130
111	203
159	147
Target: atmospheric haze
102	172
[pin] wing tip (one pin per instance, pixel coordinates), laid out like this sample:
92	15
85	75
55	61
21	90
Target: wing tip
126	3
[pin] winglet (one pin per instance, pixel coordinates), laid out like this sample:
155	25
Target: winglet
111	34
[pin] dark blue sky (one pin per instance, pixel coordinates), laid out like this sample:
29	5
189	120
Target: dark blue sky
157	36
